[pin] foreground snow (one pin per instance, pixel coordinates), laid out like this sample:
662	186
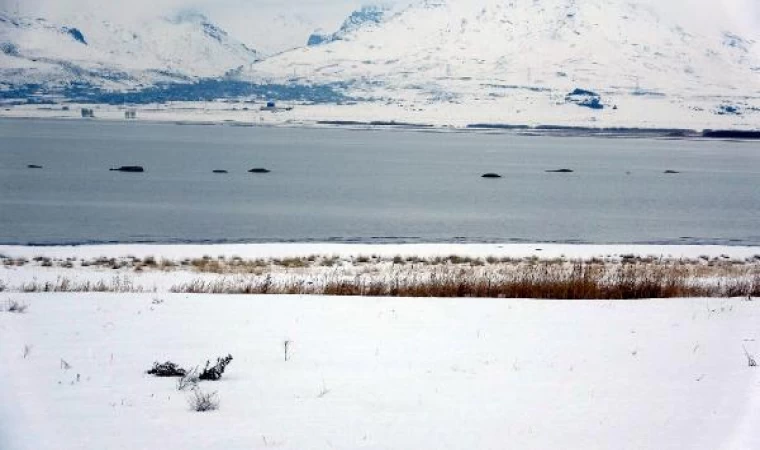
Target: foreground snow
381	373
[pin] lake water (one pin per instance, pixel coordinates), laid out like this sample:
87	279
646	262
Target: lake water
367	186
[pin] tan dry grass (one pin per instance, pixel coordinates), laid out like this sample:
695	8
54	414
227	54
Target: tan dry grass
626	277
64	284
539	281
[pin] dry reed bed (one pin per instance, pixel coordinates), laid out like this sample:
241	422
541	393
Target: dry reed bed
625	277
117	284
540	281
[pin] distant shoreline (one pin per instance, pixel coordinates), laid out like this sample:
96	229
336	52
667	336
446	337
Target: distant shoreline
548	130
386	242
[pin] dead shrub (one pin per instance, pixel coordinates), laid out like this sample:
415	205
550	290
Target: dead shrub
14	306
291	263
166	370
64	284
188	381
215	372
751	361
329	262
203	401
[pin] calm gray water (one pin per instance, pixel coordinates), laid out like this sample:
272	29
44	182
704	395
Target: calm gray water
367	186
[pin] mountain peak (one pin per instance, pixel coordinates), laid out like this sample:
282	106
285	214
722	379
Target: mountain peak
188	16
366	16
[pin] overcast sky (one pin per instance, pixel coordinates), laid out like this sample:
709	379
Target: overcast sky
254	21
267	25
211	7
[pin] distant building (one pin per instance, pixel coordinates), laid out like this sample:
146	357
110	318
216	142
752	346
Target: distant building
272	106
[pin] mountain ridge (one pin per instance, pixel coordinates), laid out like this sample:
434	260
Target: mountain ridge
529	56
117	56
448	39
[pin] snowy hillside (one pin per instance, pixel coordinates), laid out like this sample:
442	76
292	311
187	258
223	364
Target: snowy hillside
116	55
532	55
367	16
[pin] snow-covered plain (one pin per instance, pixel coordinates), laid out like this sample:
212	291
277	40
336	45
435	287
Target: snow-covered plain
381	373
642	112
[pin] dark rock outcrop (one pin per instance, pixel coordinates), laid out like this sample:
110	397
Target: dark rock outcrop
731	134
76	34
728	110
318	38
585	98
131	169
167	369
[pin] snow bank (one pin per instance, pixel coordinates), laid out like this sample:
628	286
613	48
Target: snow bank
381	373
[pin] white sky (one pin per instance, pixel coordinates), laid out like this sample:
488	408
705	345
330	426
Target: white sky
214	8
259	23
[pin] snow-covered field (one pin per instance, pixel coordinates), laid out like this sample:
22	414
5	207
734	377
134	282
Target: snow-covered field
381	373
376	373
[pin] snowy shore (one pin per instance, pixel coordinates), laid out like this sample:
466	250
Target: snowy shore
409	270
290	250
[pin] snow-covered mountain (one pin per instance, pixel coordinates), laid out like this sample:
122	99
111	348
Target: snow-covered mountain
569	62
524	53
367	16
114	55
